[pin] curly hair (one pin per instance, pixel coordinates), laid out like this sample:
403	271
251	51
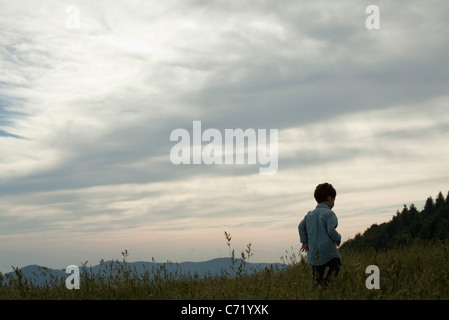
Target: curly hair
323	191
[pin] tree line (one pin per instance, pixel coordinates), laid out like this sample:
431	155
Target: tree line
429	224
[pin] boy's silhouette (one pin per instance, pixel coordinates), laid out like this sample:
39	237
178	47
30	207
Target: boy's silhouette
318	235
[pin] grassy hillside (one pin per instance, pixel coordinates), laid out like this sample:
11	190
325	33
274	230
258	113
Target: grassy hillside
411	252
416	271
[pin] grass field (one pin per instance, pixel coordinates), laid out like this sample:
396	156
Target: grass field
418	271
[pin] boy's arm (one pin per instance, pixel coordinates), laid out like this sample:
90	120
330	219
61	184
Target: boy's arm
332	223
303	236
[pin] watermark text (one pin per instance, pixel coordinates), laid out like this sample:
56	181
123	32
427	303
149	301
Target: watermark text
190	149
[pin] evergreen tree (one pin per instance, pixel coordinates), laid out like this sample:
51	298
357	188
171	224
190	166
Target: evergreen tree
415	224
440	201
406	217
447	200
429	206
413	211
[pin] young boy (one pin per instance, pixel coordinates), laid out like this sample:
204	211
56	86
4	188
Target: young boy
318	236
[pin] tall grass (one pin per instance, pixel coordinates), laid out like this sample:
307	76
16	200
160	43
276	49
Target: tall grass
417	271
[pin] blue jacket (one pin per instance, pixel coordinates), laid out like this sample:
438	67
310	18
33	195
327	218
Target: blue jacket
317	229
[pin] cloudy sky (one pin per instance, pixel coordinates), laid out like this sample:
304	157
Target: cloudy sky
90	92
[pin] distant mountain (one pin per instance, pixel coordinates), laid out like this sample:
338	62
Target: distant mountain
39	275
429	224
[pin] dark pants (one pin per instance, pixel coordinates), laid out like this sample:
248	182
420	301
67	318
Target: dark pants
318	271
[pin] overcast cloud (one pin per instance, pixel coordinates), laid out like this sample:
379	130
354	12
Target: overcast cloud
86	116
